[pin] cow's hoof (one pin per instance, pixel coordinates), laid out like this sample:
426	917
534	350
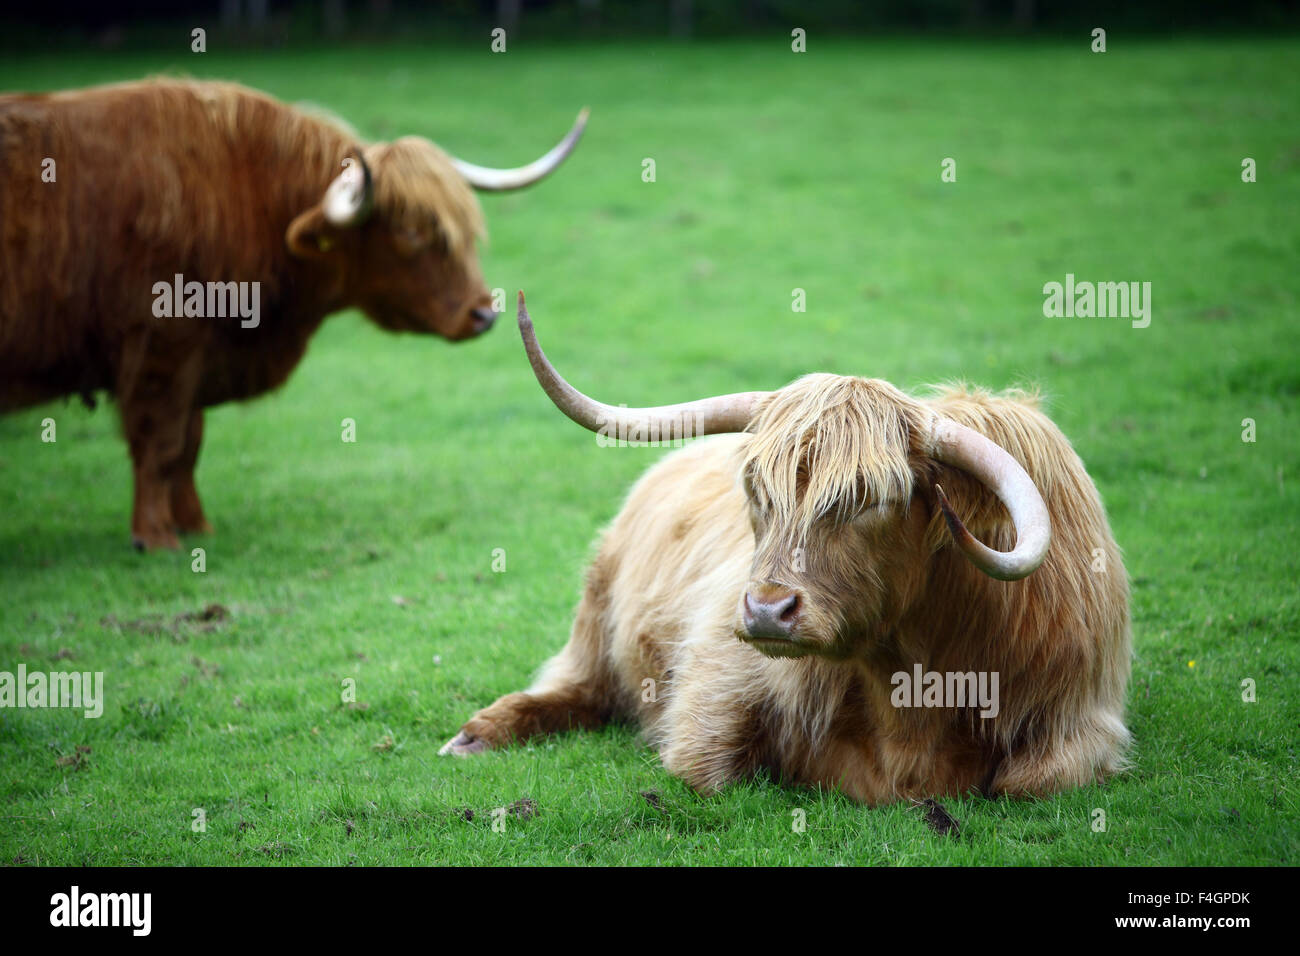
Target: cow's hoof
155	542
463	745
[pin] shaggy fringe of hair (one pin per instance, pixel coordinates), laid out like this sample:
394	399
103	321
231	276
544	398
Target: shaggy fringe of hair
416	186
831	445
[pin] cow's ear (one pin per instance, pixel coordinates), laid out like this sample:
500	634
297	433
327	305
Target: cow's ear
310	236
979	509
926	472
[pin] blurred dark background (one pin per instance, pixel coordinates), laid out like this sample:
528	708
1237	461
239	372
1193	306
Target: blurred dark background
285	22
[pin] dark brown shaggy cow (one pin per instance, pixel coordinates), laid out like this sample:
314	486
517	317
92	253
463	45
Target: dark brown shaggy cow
896	596
177	243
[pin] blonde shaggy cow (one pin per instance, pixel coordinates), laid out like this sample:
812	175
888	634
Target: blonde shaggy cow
770	584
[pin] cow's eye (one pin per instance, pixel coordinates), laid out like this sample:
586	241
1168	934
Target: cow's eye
868	512
407	241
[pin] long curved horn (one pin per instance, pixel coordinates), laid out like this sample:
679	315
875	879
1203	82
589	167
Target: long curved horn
705	416
350	196
964	448
498	180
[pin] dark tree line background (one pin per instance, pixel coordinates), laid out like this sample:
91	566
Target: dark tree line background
279	22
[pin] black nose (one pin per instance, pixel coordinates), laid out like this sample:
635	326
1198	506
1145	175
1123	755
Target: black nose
483	318
771	613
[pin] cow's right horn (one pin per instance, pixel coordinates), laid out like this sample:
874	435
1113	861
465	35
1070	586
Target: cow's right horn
500	180
967	449
349	197
705	416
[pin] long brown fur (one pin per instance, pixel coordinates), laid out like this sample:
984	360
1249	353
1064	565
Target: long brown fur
218	183
830	492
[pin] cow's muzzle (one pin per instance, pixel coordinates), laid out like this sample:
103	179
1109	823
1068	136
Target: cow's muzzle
770	612
482	319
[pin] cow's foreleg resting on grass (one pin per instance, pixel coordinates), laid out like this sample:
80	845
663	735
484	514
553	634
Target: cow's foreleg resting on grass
1088	753
517	717
572	692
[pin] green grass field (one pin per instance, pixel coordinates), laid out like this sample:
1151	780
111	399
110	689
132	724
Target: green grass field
374	560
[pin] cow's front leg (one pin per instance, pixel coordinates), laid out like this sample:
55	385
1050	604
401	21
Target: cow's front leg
517	717
1091	753
710	741
151	515
187	511
574	690
155	412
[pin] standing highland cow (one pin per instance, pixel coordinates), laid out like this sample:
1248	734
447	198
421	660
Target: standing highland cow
178	243
762	598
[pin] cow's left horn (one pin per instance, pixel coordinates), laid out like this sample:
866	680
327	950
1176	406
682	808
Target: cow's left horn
964	448
705	416
349	197
499	180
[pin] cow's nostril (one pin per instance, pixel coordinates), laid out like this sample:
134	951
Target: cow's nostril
771	617
483	318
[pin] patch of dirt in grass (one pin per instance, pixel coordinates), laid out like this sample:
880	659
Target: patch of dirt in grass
524	809
206	669
178	627
655	800
937	818
77	760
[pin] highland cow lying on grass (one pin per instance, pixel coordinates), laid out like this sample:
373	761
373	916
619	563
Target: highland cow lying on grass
763	598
